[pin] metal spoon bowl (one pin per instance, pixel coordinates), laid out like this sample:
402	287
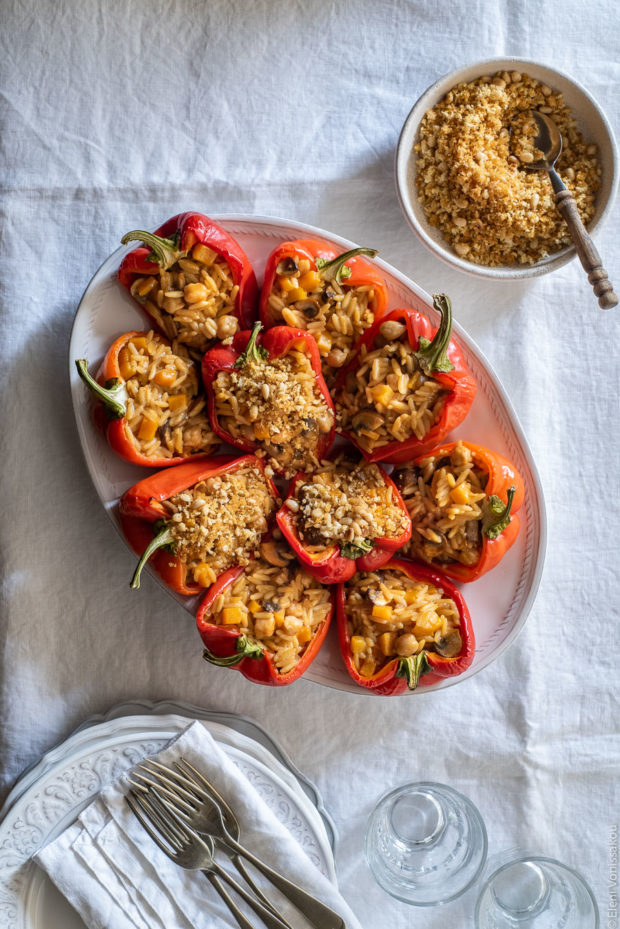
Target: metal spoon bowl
549	142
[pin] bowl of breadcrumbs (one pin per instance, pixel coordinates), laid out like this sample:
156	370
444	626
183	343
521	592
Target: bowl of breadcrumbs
461	168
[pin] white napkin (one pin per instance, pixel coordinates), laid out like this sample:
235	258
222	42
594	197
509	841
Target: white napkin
115	876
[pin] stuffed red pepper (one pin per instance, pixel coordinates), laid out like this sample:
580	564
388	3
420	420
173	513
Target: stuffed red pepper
192	279
266	394
150	402
463	501
406	387
199	519
347	516
400	623
268	619
336	297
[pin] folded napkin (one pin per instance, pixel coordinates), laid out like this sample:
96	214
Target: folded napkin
115	876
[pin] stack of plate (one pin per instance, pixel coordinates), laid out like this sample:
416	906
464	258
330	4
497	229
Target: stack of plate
50	796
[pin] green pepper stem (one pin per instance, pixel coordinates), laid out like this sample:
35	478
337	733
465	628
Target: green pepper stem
163	538
413	668
243	649
253	352
113	395
433	356
334	270
497	517
163	251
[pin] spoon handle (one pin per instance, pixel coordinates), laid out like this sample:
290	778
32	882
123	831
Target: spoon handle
586	249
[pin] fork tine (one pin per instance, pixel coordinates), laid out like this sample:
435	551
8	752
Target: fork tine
171	816
185	783
135	804
159	780
160	820
154	783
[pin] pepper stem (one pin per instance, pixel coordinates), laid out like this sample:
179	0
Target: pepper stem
433	356
335	270
113	395
243	649
497	514
163	251
253	352
413	668
163	538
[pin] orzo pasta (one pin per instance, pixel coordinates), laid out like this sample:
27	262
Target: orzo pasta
166	412
280	609
390	616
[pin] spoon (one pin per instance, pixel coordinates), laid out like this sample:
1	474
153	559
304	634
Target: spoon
549	142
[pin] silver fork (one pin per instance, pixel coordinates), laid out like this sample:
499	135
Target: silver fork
194	853
230	820
187	792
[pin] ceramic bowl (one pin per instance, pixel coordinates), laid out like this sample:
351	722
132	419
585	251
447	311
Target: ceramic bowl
591	121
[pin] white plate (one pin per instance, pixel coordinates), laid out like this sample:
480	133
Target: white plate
499	602
53	793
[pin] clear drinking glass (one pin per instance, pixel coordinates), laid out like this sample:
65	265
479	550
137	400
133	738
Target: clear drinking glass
533	892
426	843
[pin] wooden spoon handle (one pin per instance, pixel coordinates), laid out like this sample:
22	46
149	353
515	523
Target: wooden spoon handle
587	251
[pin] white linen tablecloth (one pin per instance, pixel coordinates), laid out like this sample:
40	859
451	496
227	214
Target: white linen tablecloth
116	115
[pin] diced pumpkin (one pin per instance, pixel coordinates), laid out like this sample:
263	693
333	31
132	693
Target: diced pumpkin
462	493
139	342
177	402
427	626
203	254
125	363
386	643
381	614
166	377
411	596
324	343
288	283
297	293
304	635
382	393
310	281
261	431
253	606
358	644
368	668
204	575
148	429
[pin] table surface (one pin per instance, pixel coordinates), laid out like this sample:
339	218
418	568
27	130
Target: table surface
116	116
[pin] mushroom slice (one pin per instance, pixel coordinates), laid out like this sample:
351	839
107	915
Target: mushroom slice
309	307
275	554
367	420
450	645
287	266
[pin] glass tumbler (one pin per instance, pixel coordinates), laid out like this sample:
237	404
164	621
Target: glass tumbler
426	843
532	892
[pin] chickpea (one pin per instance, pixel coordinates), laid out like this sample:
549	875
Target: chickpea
263	628
325	421
336	358
227	326
406	645
194	293
392	329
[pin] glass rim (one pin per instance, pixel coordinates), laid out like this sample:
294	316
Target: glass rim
523	857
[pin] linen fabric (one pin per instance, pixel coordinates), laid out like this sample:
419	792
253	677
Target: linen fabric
116	115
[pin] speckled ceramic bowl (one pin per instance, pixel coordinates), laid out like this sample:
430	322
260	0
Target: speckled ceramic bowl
591	121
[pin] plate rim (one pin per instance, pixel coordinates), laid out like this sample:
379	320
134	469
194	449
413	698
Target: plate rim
472	346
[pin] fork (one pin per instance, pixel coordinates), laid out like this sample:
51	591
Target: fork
194	853
190	795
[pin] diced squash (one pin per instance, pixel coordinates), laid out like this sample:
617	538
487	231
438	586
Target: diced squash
204	575
125	364
139	341
358	644
427	626
147	430
304	635
310	281
368	668
253	606
462	493
204	254
297	293
177	402
386	643
288	283
382	393
411	596
381	614
261	431
324	343
166	377
232	616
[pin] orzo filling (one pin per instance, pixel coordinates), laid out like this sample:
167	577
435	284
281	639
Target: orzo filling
279	608
166	415
193	301
389	398
219	522
445	498
390	615
335	313
275	402
347	504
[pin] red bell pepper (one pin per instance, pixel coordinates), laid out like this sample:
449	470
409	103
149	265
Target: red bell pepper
226	646
174	240
336	564
439	358
111	409
401	674
144	519
262	347
505	492
348	268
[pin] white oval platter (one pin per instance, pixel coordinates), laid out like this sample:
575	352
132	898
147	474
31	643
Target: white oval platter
70	776
499	602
